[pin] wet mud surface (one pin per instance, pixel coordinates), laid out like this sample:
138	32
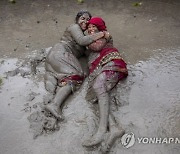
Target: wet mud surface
148	37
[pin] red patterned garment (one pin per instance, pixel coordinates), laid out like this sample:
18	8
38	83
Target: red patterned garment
110	54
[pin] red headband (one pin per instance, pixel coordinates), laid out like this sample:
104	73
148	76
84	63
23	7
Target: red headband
98	22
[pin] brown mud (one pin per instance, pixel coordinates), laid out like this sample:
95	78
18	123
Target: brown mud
148	37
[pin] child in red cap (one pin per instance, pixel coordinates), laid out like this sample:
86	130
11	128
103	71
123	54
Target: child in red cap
106	68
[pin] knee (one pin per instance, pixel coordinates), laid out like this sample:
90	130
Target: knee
50	87
99	84
50	78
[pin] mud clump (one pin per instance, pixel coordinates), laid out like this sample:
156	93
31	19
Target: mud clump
41	124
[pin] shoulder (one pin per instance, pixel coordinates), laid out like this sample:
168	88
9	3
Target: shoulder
73	26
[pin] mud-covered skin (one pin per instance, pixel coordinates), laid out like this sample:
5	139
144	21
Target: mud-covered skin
55	107
82	21
62	61
115	132
102	90
100	86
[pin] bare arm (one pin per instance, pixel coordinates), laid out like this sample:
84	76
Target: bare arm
80	38
98	45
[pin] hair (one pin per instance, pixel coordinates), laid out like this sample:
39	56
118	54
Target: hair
80	13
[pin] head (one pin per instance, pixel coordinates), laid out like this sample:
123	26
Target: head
96	24
82	19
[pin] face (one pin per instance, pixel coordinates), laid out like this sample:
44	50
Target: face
92	29
83	21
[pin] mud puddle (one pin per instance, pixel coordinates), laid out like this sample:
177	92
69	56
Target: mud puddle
148	100
148	107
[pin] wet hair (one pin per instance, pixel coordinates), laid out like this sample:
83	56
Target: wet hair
80	13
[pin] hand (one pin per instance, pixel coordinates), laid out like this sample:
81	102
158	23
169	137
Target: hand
106	35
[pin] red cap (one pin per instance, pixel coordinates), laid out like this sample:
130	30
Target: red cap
98	22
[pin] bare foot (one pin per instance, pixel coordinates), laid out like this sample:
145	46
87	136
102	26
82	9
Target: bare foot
94	140
114	134
52	108
50	124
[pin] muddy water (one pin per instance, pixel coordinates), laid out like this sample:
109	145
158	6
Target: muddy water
148	37
153	108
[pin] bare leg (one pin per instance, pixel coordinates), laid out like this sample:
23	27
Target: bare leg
116	131
103	102
55	107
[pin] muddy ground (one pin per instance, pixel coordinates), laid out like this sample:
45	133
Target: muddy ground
148	36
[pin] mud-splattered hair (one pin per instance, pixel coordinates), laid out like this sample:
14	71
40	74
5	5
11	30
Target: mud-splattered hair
80	13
